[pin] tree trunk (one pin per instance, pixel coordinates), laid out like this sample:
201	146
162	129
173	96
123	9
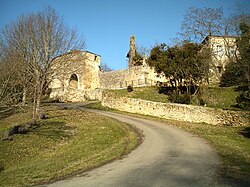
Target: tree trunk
24	95
37	97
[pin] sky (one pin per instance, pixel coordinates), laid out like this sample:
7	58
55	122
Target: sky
106	25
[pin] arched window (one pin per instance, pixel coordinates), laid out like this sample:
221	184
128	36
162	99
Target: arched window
73	82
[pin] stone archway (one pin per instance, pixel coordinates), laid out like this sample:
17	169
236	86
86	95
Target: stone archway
73	82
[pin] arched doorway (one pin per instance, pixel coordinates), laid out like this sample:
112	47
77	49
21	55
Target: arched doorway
73	82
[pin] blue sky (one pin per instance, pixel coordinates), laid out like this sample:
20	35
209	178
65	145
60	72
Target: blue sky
106	25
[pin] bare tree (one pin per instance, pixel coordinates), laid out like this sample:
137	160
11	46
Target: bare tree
105	68
35	40
200	22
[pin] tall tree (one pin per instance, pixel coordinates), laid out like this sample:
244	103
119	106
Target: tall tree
35	40
243	43
238	72
184	65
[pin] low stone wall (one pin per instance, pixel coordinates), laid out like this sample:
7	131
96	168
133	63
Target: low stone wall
178	112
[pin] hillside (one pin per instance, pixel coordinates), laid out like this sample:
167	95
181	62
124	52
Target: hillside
213	95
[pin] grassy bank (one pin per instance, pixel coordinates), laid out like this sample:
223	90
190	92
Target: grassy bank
213	95
146	93
69	141
231	144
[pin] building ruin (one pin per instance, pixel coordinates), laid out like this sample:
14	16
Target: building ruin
77	75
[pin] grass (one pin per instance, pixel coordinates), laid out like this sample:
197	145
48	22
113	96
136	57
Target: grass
146	93
220	97
213	95
231	144
68	142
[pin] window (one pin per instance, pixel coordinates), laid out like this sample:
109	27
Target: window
231	51
219	50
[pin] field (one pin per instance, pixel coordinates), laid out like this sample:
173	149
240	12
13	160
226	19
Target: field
68	142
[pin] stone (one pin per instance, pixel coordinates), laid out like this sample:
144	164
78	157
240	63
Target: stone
18	129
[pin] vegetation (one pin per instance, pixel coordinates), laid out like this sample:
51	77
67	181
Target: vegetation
201	22
130	88
138	59
68	142
185	66
212	96
231	144
146	93
28	48
105	68
238	71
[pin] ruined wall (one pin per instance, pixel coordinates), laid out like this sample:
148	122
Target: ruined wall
135	76
75	74
178	112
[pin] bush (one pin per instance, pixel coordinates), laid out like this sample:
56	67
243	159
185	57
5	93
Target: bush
130	88
165	89
243	100
174	97
232	76
1	166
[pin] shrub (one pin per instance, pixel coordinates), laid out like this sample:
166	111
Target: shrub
1	166
174	97
243	100
130	88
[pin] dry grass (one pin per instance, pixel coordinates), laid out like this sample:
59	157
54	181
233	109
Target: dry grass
69	141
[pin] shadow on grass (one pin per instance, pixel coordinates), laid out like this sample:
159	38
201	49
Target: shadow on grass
236	179
6	112
54	130
245	132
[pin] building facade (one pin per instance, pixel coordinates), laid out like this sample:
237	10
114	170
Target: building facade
223	49
76	76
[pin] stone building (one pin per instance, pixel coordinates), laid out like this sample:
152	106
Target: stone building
76	76
223	49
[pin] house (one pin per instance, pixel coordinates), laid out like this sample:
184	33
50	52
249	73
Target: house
223	50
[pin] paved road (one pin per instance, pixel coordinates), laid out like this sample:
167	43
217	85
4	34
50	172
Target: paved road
167	157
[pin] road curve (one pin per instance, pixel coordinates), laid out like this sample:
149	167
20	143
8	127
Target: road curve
168	156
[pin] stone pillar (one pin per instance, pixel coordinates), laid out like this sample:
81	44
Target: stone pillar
131	51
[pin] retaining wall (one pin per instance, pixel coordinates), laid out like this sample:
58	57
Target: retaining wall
179	112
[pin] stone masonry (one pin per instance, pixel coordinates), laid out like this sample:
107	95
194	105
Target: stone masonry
76	75
173	111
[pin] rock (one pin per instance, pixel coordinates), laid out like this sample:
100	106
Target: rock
43	116
18	129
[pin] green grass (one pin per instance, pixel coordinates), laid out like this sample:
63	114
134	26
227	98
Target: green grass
220	97
68	142
146	93
231	144
213	95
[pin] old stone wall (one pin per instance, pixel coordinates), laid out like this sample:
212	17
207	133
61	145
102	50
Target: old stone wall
178	112
76	74
135	76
